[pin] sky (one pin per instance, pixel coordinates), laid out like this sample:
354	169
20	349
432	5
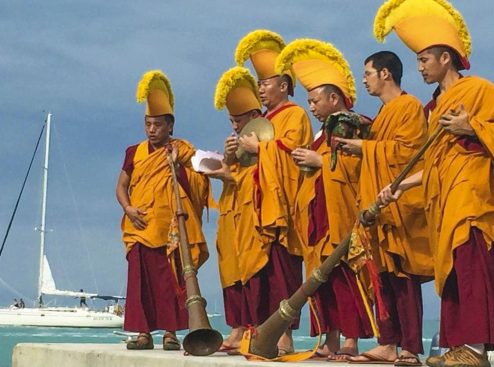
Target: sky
82	60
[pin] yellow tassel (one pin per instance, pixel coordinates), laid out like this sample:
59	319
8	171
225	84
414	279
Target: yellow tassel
146	80
392	11
257	40
368	310
229	80
303	49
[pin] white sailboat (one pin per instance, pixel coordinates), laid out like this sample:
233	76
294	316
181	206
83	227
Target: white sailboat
56	316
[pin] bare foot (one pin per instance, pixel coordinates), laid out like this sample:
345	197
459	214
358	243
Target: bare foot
324	351
330	346
285	343
349	349
233	340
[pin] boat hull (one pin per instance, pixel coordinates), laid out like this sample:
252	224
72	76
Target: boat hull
59	317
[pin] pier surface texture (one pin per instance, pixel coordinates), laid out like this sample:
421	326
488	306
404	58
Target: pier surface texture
115	355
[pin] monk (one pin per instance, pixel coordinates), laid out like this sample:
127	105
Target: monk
155	289
237	236
399	240
458	182
457	177
326	208
278	265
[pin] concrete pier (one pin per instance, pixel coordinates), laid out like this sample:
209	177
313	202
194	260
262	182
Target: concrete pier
115	355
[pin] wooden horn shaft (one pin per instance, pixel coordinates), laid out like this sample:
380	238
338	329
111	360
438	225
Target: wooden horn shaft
202	339
265	341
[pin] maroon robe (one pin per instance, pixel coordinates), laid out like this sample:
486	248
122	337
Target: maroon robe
467	301
154	298
402	299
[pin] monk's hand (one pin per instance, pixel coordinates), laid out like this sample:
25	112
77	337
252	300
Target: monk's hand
231	146
350	146
224	174
307	157
250	143
457	122
136	217
386	197
174	153
364	120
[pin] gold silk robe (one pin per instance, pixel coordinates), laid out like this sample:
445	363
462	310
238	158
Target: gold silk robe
278	177
459	183
340	192
151	190
240	247
401	232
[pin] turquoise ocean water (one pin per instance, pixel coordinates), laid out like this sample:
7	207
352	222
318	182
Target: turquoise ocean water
10	336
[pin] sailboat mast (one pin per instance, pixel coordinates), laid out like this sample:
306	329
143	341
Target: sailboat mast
42	229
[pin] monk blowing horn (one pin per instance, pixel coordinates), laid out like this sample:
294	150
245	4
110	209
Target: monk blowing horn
262	341
202	340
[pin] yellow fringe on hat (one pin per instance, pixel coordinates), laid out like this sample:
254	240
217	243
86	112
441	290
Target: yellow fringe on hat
144	86
257	40
392	11
303	49
228	80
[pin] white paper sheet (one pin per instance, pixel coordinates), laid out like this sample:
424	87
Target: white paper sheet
206	161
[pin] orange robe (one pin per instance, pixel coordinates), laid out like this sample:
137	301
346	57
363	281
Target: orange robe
401	232
151	190
277	181
236	235
340	191
459	183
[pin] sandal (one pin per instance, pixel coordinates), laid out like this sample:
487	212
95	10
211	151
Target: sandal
321	356
229	349
170	342
343	355
143	341
283	351
407	361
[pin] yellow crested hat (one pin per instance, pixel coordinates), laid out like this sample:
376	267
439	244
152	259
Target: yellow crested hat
237	90
316	63
421	24
262	47
155	89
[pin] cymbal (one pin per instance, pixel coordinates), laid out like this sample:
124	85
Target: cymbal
263	128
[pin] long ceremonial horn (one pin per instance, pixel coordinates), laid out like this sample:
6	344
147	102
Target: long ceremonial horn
264	339
202	339
367	217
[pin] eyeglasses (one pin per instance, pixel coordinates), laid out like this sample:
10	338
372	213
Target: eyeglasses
369	73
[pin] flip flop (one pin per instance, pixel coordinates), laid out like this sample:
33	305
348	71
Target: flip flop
318	356
283	351
402	361
234	352
371	359
227	348
345	357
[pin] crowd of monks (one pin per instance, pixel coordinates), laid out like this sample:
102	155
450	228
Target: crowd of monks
298	195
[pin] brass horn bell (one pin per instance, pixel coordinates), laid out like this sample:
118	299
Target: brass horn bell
263	128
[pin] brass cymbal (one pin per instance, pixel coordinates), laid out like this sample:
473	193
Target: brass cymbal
263	128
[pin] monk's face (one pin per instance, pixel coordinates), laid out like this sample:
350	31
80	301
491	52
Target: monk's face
432	68
157	130
321	103
372	79
239	121
271	91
